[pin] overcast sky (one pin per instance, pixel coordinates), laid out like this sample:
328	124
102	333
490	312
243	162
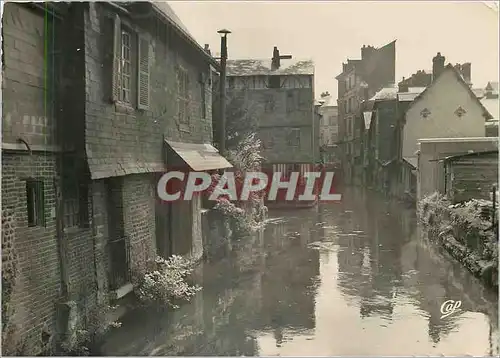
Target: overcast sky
330	32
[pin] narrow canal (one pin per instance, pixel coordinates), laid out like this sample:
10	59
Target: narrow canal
353	278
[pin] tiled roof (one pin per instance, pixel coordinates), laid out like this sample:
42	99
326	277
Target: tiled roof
263	67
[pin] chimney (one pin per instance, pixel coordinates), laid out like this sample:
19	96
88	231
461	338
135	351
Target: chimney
207	49
466	74
437	66
275	63
366	52
403	86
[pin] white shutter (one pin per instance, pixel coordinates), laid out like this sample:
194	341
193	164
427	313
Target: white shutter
144	64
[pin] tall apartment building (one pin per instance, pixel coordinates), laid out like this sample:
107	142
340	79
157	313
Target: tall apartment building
360	79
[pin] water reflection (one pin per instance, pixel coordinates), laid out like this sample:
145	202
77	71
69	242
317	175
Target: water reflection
353	278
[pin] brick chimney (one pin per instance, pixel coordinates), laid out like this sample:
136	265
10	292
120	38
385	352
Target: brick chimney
466	74
367	51
437	66
403	86
275	63
207	49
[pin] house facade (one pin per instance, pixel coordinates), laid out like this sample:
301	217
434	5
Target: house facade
279	93
359	81
328	127
446	109
84	147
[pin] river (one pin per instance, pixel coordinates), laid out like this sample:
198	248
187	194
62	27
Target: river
350	278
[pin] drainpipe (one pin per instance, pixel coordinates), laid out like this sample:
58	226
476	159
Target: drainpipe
223	59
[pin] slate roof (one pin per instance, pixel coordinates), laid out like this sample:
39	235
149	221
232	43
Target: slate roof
391	93
492	105
460	79
256	67
479	92
328	101
164	9
412	161
493	86
412	93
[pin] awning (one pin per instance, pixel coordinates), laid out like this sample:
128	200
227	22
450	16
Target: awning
199	157
412	161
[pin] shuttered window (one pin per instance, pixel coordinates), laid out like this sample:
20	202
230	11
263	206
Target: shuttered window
182	95
131	65
143	72
203	89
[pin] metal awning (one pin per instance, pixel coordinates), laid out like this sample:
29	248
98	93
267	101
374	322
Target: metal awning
199	157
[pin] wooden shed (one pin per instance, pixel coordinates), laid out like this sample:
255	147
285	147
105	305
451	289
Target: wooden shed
471	176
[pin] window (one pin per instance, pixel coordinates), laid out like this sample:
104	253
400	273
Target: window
294	137
274	82
231	82
182	95
291	101
130	68
269	104
35	203
203	100
125	68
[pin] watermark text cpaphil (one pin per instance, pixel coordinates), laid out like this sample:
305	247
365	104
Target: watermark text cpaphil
307	186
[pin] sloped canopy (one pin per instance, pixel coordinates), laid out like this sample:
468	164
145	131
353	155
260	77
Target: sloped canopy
199	157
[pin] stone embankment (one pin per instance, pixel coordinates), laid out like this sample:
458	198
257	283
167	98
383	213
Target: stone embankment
467	231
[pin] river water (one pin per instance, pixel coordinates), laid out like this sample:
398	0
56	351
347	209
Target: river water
350	278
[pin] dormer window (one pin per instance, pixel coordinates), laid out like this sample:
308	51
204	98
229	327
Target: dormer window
425	113
460	112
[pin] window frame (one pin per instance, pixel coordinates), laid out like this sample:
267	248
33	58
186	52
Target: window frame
182	100
295	142
37	206
131	65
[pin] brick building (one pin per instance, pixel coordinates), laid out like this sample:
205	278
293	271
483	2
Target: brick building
123	94
280	94
359	81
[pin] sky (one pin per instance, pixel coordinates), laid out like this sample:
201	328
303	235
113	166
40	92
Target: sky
329	32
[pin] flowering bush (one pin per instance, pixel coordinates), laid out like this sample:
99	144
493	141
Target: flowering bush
246	156
167	284
239	220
